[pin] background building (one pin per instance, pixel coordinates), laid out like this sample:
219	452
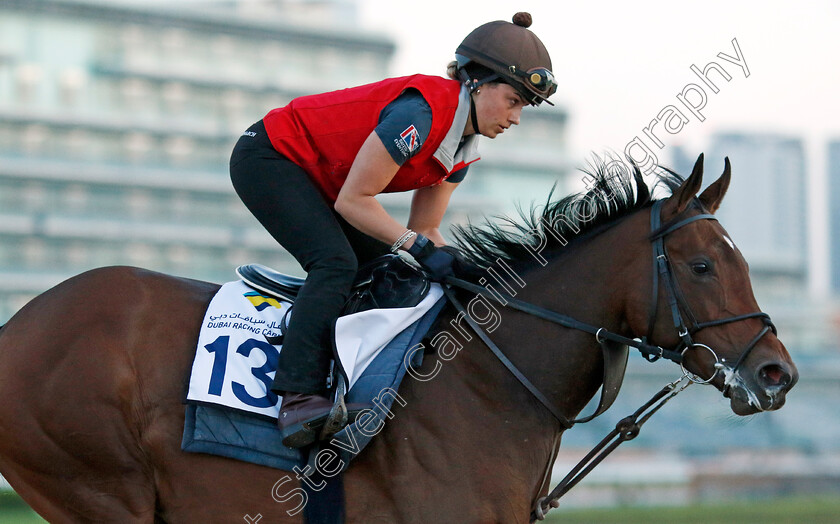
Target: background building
117	122
764	211
834	213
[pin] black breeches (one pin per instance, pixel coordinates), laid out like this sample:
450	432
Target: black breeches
290	207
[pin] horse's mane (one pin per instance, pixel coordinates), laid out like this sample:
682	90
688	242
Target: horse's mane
569	219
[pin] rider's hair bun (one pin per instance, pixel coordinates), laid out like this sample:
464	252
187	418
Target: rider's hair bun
522	19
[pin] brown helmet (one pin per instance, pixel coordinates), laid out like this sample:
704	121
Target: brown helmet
512	53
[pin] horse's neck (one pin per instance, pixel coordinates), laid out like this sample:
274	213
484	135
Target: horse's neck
564	364
585	284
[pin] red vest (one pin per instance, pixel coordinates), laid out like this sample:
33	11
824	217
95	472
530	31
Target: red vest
323	133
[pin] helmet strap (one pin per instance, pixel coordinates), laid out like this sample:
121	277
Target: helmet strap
473	85
473	116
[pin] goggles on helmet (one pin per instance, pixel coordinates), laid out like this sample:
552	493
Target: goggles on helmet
535	85
539	80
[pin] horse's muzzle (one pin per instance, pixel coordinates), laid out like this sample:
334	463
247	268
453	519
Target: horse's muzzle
765	390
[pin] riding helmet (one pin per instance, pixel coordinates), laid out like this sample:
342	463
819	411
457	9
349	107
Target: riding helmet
513	53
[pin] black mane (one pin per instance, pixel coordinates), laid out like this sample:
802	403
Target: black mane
570	218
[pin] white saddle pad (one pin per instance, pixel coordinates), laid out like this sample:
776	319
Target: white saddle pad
234	365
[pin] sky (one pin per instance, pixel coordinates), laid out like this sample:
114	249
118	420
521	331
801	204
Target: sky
619	64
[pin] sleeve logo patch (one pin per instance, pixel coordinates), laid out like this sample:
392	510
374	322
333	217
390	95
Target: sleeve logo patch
411	138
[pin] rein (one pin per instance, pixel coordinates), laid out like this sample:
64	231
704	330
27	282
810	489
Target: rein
614	347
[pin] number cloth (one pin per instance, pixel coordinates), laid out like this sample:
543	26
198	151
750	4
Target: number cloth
234	365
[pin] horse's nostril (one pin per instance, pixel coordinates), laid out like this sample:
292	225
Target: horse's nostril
773	375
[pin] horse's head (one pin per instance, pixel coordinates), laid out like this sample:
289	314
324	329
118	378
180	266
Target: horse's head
704	303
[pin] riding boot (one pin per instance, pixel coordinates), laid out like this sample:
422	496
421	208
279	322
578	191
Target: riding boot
305	418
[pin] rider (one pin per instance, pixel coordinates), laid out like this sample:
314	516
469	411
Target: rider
309	173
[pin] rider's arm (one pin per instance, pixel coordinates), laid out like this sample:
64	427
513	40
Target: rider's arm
428	206
371	172
376	163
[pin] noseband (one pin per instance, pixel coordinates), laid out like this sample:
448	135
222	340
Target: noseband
677	303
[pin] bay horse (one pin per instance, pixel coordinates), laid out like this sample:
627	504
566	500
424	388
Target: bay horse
92	373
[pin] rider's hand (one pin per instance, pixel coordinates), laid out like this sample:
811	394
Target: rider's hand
436	261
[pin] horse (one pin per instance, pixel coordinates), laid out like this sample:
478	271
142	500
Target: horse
92	371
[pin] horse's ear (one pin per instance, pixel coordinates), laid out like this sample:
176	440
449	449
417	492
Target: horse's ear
688	190
713	194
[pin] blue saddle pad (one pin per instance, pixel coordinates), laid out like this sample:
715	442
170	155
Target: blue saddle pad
256	439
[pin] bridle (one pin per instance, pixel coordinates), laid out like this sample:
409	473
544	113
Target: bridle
614	347
678	304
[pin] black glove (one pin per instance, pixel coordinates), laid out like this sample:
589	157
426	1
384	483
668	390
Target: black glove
462	267
437	262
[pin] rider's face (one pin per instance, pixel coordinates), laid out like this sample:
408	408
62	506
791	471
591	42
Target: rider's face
498	106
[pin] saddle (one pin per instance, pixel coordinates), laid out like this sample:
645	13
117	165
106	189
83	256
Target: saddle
384	282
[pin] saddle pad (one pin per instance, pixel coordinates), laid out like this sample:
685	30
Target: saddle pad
253	438
234	364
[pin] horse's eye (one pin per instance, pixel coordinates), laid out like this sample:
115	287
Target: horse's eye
701	268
